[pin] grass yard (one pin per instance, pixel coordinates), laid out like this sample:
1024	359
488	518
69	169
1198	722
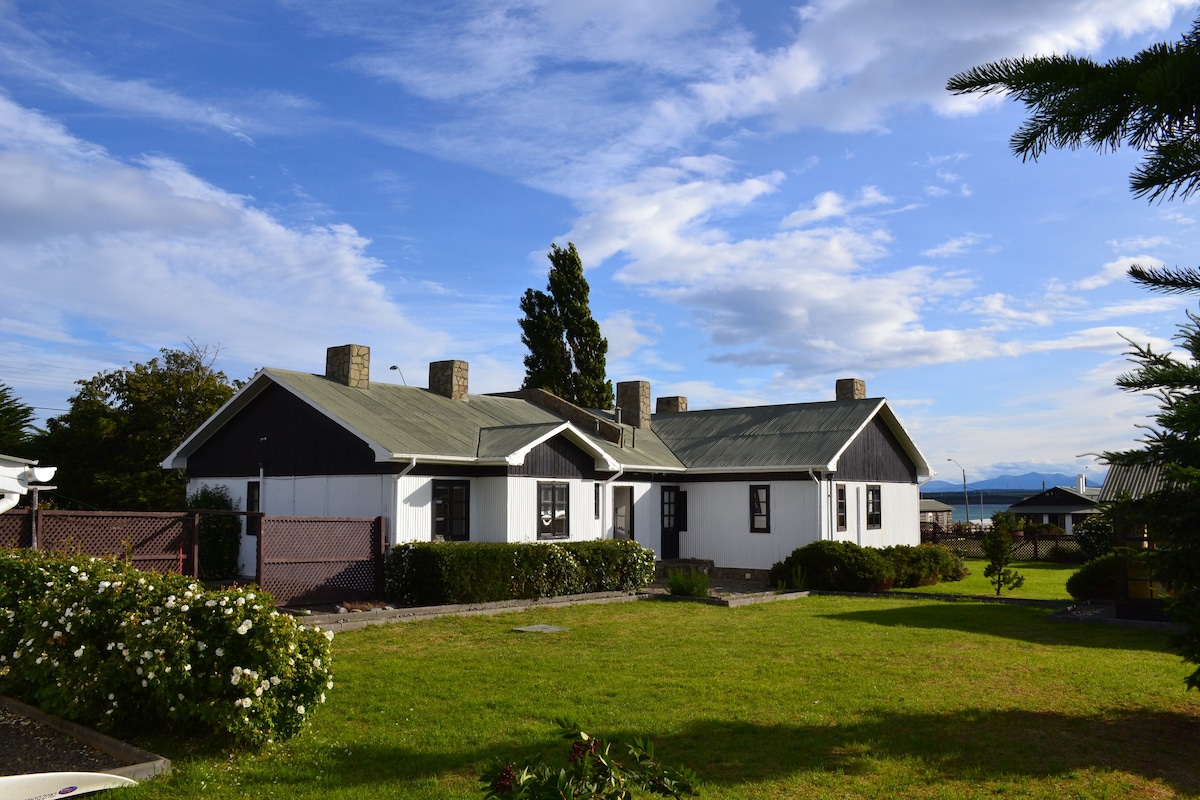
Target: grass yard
823	697
1044	580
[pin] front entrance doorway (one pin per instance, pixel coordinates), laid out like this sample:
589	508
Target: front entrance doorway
623	512
674	520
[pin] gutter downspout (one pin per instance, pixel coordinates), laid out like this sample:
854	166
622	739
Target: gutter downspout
820	528
394	527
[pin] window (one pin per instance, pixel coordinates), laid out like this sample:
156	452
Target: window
553	511
760	509
841	506
253	506
451	511
874	507
599	491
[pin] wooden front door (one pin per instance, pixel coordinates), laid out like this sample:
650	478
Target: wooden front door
623	512
674	520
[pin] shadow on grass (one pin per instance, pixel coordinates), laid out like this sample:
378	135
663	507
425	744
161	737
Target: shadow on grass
967	745
1011	622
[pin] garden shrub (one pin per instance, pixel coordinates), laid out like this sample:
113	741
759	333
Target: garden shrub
220	535
1095	580
835	566
434	573
1095	535
612	565
924	564
109	646
687	582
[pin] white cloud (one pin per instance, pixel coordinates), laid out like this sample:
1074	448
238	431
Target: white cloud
829	205
1116	270
625	334
955	247
145	253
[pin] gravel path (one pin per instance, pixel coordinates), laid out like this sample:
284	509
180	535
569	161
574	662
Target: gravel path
27	746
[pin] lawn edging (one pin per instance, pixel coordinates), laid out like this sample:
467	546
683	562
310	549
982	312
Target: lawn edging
354	620
140	764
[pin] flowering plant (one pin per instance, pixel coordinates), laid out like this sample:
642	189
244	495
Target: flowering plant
101	643
593	771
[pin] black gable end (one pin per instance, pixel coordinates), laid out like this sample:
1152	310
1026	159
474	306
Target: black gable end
556	458
298	441
876	455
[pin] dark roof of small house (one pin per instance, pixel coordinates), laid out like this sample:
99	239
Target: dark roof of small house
401	422
1056	500
1133	482
931	506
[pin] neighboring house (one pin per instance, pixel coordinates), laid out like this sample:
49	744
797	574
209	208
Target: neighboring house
1061	505
936	513
742	487
1130	483
20	476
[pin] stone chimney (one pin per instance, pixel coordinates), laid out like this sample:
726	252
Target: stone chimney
851	389
633	398
448	378
670	405
349	365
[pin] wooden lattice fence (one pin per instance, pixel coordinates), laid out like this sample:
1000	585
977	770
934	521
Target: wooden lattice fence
161	542
314	560
1028	547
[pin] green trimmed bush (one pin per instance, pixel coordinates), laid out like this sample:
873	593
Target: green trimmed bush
106	645
835	566
924	564
436	573
1095	535
1095	580
612	565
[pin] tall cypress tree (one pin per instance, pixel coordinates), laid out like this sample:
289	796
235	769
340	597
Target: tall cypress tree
567	354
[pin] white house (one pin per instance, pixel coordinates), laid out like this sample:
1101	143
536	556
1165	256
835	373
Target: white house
742	487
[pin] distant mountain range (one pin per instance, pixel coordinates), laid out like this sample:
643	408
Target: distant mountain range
1033	481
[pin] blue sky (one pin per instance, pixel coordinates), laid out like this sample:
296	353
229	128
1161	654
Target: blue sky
766	196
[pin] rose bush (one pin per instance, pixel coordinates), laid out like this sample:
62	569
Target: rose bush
101	643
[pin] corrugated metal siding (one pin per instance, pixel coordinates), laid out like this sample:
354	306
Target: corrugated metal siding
414	499
489	509
719	523
1132	482
876	455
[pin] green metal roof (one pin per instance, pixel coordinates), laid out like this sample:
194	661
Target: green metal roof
800	435
402	422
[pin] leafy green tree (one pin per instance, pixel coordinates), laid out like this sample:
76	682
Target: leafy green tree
567	354
16	423
1150	102
121	424
997	549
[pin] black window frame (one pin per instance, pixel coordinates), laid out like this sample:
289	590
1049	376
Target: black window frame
842	506
874	506
760	508
448	486
559	495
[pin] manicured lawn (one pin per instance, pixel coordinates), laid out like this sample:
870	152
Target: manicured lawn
1044	580
823	697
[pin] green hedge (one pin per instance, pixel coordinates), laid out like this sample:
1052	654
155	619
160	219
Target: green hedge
436	573
847	567
106	645
924	565
834	566
1095	580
